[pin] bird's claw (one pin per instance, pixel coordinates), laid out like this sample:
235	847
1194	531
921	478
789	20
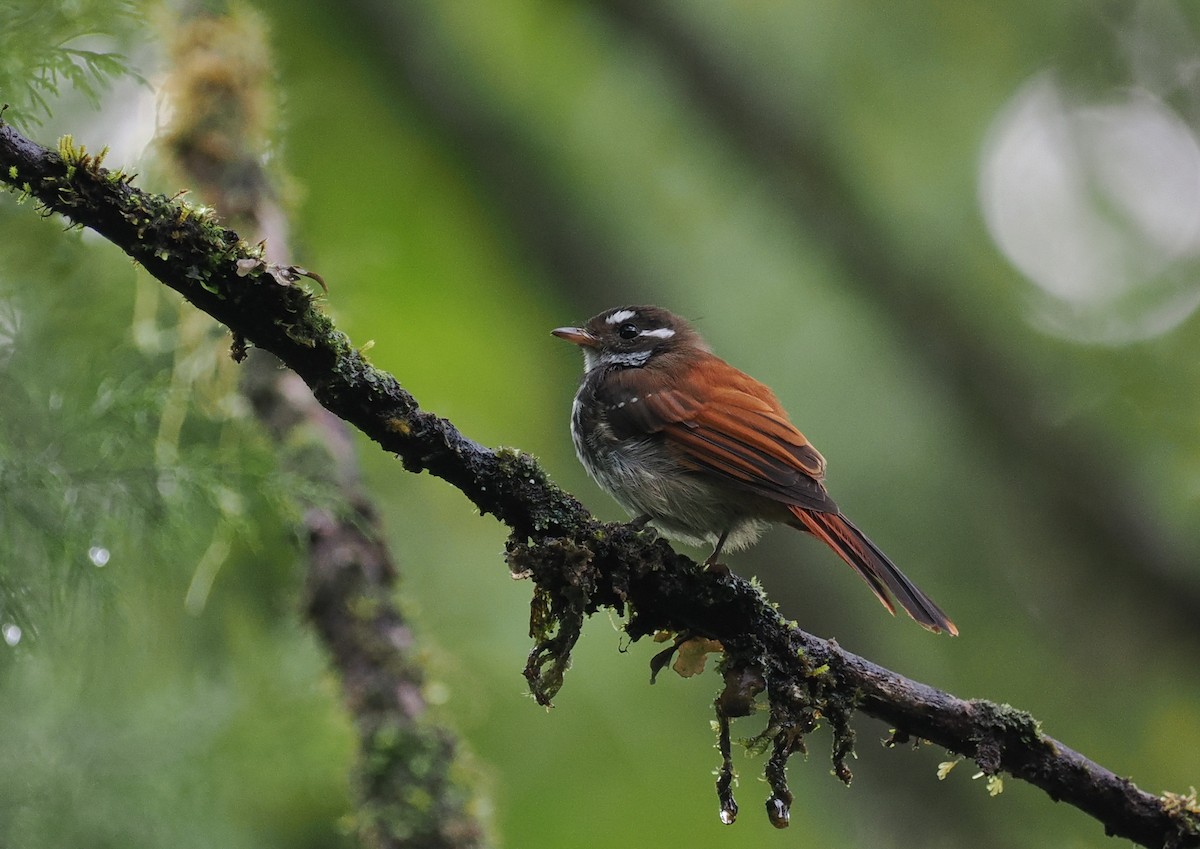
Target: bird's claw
716	568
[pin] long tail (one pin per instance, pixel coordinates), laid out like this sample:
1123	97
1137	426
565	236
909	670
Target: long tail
873	566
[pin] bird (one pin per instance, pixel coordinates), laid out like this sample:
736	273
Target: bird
683	440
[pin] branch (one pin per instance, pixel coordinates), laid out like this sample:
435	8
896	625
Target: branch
579	565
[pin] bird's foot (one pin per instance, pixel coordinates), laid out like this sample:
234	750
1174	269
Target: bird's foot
718	569
641	526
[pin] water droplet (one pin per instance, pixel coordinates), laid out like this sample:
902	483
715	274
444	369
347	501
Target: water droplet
778	812
728	816
98	555
12	633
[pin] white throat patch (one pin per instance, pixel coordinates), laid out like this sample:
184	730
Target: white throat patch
631	358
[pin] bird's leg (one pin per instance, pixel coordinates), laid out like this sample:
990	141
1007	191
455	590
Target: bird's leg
711	563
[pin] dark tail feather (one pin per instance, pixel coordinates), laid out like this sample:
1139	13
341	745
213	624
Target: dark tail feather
873	566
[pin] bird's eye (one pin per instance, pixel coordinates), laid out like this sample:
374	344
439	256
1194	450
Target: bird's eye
628	331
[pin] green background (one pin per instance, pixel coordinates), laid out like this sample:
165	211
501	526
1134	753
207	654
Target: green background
1038	478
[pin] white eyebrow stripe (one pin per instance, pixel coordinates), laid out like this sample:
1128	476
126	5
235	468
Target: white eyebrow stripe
620	316
661	333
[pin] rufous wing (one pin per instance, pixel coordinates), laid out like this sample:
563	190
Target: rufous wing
726	424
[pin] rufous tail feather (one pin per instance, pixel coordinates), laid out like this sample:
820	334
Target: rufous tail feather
873	566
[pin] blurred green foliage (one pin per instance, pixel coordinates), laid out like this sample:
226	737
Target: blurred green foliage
127	724
51	49
135	722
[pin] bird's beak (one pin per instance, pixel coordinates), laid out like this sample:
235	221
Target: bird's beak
577	335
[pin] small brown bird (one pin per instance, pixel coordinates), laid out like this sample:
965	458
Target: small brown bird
682	439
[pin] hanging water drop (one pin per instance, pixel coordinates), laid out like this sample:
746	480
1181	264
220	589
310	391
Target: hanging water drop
778	812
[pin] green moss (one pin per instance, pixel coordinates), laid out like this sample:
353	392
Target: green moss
1184	811
77	158
1010	720
402	762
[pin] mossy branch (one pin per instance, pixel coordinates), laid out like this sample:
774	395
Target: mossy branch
578	565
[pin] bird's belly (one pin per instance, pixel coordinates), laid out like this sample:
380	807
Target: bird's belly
684	505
